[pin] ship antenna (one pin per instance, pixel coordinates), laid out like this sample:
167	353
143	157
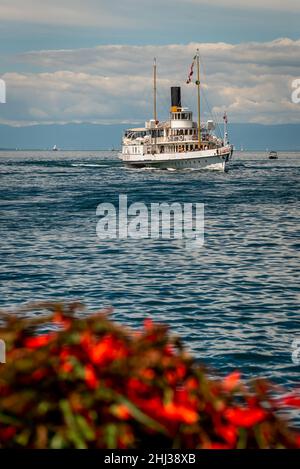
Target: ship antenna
154	91
198	91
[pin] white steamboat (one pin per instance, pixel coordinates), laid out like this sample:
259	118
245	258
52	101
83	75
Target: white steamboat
178	143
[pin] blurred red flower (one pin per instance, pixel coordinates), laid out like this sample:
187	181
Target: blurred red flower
95	384
39	341
231	381
245	417
90	377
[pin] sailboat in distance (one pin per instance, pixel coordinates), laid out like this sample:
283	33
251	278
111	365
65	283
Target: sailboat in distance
179	142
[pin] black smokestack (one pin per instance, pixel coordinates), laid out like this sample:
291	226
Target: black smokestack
175	96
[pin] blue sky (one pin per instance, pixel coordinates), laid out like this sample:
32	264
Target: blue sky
43	45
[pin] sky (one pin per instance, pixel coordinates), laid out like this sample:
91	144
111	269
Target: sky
69	61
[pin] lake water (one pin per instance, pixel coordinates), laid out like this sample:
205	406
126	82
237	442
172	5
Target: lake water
235	301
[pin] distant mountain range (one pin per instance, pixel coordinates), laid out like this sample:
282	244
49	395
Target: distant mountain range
252	137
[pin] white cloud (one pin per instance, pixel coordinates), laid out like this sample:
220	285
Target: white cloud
66	96
114	83
118	59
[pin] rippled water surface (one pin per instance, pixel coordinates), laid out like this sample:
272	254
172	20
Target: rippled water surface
235	301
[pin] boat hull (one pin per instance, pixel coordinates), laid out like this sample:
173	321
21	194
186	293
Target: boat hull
209	160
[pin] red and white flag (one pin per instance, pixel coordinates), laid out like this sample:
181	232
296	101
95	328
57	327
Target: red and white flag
191	72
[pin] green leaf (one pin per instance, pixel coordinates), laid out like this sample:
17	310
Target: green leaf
23	437
9	420
111	433
85	428
141	417
73	431
57	442
242	442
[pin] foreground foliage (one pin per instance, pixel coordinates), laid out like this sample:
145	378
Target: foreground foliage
90	383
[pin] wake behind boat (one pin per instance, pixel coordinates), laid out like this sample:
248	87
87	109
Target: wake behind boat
178	143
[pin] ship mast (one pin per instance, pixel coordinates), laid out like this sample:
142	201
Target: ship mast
154	91
198	92
154	105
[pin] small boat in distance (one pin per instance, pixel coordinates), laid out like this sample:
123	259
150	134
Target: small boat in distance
55	148
273	155
179	142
